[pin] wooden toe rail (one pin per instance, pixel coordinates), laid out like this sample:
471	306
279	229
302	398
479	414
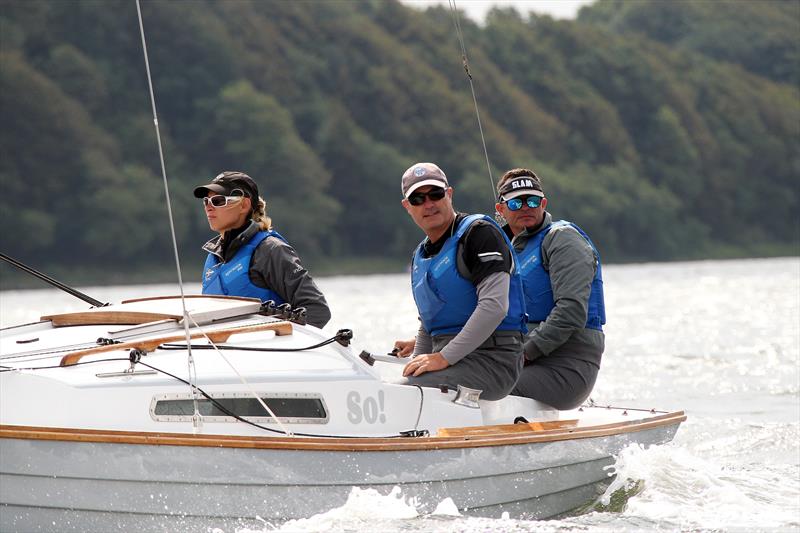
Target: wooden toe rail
483	431
148	345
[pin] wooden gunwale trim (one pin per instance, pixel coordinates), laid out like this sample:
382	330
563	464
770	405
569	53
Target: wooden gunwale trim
122	317
108	317
336	444
472	431
148	345
174	297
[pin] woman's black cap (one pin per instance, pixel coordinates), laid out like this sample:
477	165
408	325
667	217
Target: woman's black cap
226	183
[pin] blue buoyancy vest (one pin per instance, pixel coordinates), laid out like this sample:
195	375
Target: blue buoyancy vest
536	281
232	278
445	299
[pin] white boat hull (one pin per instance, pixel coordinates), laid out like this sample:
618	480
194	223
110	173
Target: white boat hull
99	486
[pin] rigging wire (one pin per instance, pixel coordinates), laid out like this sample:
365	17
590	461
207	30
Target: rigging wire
465	61
190	360
40	355
46	353
341	334
172	346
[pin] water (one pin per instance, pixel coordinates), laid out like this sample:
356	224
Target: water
718	339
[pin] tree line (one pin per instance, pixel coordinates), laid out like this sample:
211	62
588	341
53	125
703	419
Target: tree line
667	130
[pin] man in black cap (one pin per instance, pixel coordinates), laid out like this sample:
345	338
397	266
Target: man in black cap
563	284
468	294
249	258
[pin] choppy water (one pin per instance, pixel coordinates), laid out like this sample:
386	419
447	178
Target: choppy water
718	339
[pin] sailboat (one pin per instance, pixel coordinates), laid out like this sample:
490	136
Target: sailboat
101	428
192	412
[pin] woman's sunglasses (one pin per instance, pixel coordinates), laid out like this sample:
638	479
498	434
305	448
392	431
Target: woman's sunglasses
418	198
220	201
515	204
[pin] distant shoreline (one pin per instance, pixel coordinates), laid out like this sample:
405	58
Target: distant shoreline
12	279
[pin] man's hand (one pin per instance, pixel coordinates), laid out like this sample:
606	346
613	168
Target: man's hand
404	348
425	363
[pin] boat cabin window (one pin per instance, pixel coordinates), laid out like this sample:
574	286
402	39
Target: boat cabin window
298	408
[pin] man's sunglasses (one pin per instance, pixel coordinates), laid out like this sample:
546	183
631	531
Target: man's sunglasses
418	198
515	204
220	201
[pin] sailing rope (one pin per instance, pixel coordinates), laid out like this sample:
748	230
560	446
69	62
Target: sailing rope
465	61
196	419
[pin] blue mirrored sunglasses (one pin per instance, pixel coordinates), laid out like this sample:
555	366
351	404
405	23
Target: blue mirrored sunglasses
515	204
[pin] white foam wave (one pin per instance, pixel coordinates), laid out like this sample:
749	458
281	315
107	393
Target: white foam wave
447	507
364	510
691	492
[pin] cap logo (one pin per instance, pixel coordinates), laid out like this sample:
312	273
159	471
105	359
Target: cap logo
526	183
419	171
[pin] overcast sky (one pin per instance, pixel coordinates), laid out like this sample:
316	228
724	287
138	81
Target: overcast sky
477	9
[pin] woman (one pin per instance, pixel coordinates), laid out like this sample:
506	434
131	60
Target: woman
248	258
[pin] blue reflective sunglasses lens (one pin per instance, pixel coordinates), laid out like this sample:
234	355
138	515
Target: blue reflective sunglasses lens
515	204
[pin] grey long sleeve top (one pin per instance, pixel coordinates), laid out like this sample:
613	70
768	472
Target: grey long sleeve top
571	263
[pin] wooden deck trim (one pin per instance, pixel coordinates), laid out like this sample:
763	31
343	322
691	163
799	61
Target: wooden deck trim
122	317
361	444
177	297
110	317
148	345
474	431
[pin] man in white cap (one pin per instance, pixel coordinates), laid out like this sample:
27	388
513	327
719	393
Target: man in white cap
467	290
563	284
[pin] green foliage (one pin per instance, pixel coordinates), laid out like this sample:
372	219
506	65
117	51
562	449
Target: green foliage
48	147
125	203
78	76
665	129
365	184
761	36
272	153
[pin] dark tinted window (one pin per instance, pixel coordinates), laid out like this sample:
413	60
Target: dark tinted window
282	407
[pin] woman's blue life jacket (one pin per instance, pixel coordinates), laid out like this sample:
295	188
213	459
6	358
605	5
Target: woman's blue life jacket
445	299
232	278
536	281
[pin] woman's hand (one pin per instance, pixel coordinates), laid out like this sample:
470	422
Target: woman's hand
425	363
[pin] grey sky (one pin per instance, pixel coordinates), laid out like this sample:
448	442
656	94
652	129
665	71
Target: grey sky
477	9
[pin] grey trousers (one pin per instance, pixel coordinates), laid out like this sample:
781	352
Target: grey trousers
493	367
564	378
